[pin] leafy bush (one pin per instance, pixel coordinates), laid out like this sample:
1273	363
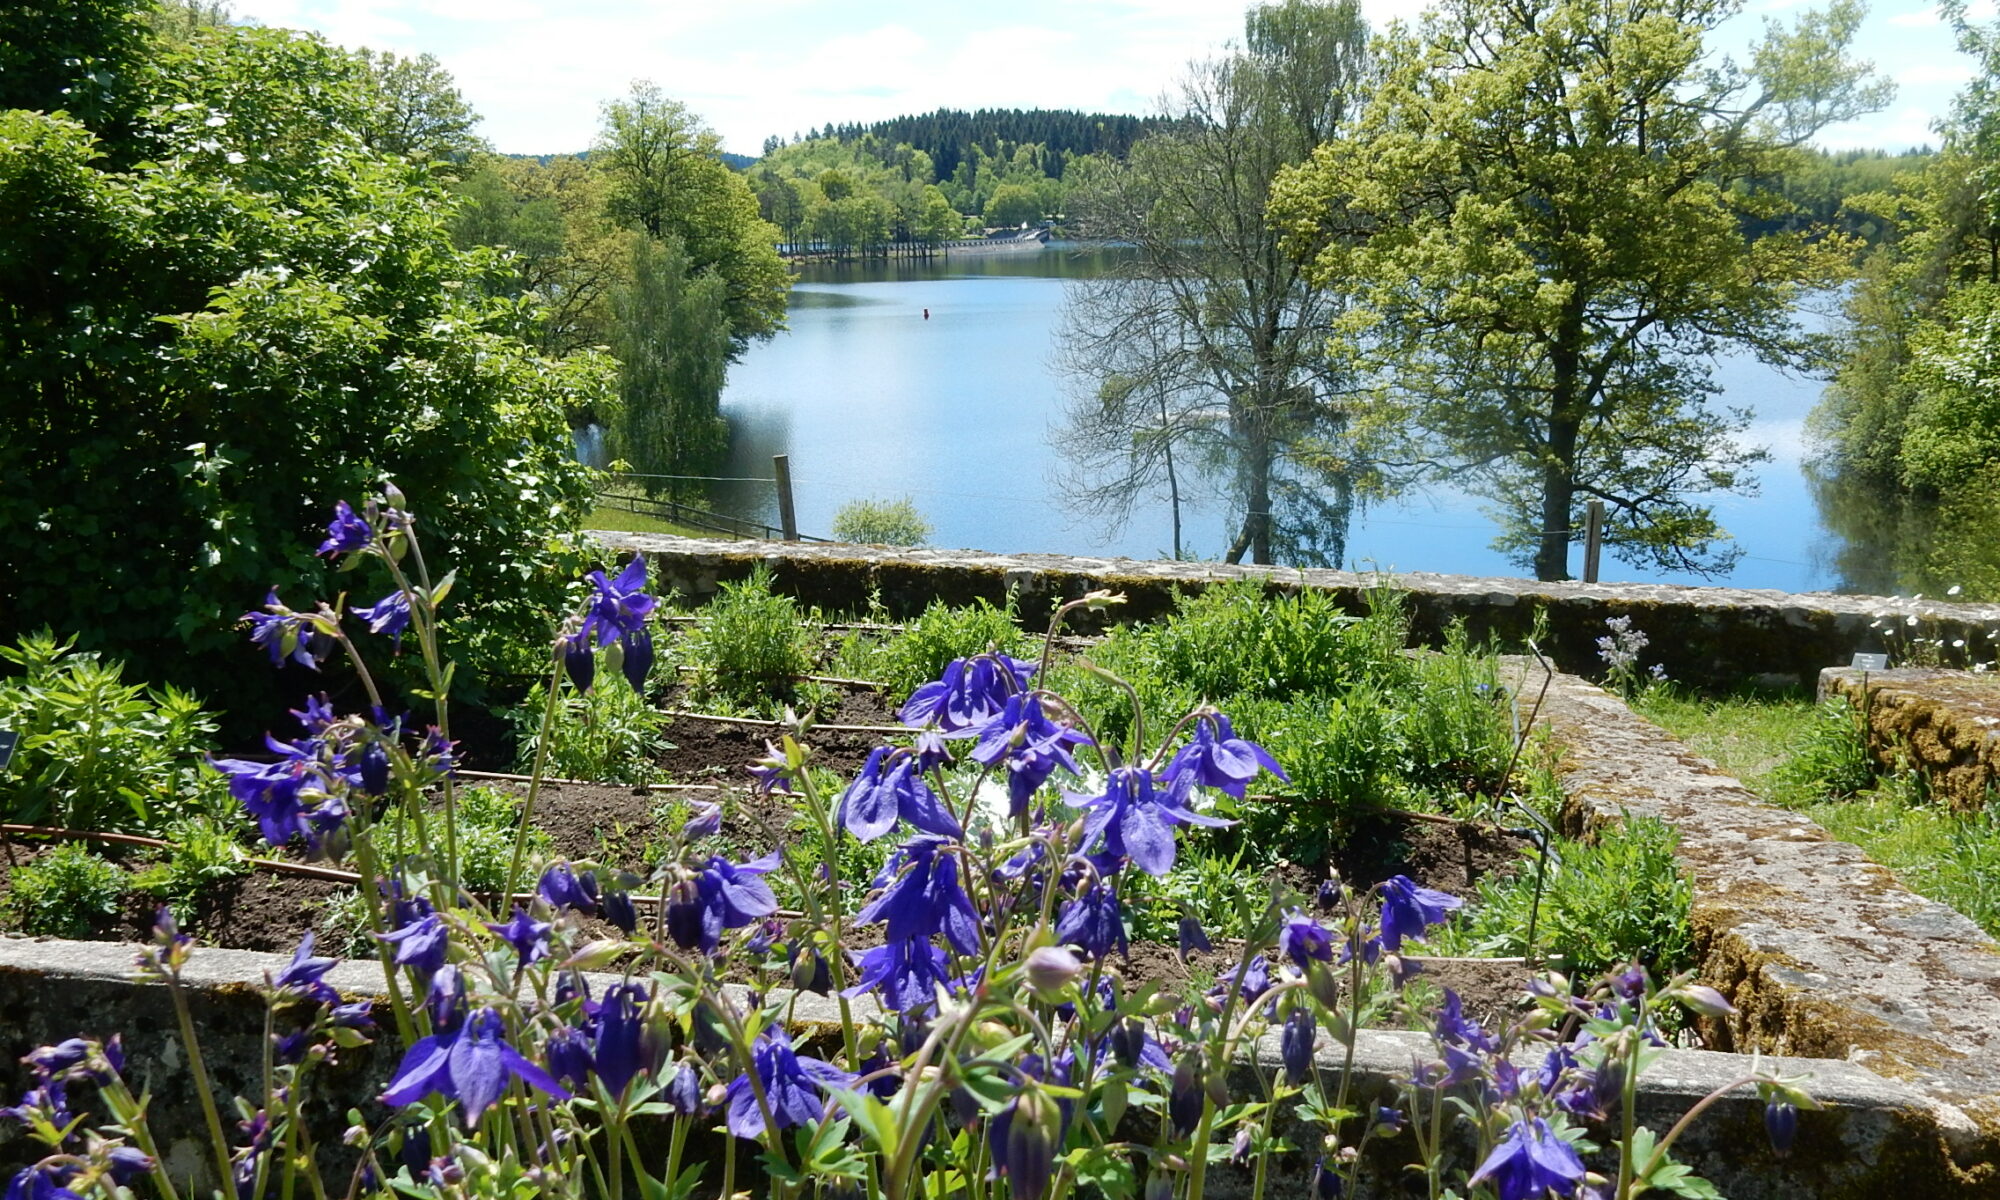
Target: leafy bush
1605	903
65	892
1459	721
96	751
202	853
609	734
750	649
488	820
1831	760
881	522
1236	639
927	645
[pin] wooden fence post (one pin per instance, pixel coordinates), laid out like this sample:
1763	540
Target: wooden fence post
788	522
1593	539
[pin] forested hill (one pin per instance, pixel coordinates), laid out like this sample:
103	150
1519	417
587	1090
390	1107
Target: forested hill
947	134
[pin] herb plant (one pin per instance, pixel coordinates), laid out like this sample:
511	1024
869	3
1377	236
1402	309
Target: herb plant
65	892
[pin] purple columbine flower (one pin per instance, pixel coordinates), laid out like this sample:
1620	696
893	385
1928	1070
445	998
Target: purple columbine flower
420	945
926	898
528	937
683	1092
722	896
563	887
906	973
1031	745
1295	1045
1219	759
580	661
1192	938
1132	819
305	975
1304	940
793	1084
1408	910
37	1183
346	533
1781	1124
371	769
283	633
269	792
971	692
1093	922
618	1049
568	1054
706	821
473	1065
1453	1028
390	615
1530	1162
621	605
637	661
871	804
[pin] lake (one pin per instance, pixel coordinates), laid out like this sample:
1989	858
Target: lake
872	400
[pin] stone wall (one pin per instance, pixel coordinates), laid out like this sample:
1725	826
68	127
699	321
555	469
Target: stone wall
1702	635
1944	724
1823	952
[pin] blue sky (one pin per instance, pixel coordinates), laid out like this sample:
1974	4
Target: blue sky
538	69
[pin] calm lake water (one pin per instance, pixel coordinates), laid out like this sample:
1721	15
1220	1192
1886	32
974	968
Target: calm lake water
870	399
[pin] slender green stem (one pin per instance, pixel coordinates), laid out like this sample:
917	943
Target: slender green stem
199	1069
125	1109
535	786
1687	1118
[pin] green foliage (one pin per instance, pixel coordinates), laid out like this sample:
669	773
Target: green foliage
1829	759
1539	210
1011	205
95	751
671	337
488	819
750	647
225	314
65	892
201	852
1605	903
606	735
1222	891
881	522
926	646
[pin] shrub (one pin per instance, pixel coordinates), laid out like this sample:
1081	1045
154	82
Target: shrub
202	853
1459	723
1831	762
65	892
881	522
1604	903
487	822
927	645
609	734
750	649
95	750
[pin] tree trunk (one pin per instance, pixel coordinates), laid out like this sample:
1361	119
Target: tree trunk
1559	468
1255	536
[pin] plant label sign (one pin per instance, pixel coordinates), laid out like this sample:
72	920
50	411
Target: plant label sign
1871	662
8	740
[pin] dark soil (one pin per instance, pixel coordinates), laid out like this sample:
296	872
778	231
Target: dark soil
705	749
1451	857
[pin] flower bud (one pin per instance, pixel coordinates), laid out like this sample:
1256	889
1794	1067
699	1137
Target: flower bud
1295	1046
1050	969
1034	1136
1781	1123
1185	1096
1706	1000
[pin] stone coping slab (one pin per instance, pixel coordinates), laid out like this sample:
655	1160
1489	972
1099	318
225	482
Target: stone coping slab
1943	723
1872	1131
1706	634
1823	952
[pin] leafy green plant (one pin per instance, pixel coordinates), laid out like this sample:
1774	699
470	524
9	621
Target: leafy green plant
607	735
96	751
488	819
1605	902
342	927
1220	891
65	892
750	647
927	645
1830	762
1459	723
881	522
202	853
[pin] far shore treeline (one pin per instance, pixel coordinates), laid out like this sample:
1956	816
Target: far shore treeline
244	272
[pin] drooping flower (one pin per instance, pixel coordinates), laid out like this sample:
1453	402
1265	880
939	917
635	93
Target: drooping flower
579	661
1530	1162
871	804
684	1091
305	975
270	793
971	692
284	634
420	945
1093	922
1408	910
563	887
473	1065
568	1054
528	937
1192	938
390	615
1026	1142
372	769
1022	736
36	1183
618	1049
1304	940
1781	1124
1132	819
1295	1045
907	974
619	911
706	821
926	898
637	661
346	533
1219	759
721	896
1050	969
793	1086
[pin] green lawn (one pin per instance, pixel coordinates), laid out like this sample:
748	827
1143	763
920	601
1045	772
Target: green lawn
618	520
